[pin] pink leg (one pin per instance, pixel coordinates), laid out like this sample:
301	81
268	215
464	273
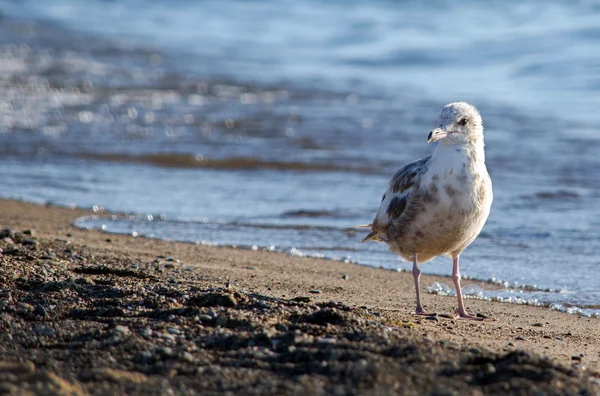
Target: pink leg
417	277
462	313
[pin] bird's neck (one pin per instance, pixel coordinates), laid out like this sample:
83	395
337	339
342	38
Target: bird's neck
472	151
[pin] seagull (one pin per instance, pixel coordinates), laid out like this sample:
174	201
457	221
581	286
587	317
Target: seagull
437	205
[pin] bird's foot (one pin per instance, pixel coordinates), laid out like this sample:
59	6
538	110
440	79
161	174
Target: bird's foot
464	315
421	312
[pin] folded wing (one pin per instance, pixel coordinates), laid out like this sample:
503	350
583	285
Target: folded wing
396	199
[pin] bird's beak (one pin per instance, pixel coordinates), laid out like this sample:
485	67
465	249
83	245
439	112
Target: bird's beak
436	134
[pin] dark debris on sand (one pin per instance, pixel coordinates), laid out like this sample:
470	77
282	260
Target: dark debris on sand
74	323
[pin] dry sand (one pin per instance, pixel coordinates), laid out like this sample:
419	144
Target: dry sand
87	312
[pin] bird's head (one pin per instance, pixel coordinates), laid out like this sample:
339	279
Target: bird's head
459	123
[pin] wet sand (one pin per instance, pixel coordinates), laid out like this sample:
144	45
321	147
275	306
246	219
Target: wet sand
87	312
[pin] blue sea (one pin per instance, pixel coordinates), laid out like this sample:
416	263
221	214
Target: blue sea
276	125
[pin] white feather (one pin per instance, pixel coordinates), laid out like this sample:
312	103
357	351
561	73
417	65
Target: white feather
448	197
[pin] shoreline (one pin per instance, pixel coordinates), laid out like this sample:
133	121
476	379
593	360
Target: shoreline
485	284
262	294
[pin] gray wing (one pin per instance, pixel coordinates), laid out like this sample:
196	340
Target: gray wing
396	200
405	177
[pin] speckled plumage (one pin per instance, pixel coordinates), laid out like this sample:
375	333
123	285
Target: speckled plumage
437	205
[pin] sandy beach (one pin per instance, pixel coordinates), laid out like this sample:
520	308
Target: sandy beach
87	312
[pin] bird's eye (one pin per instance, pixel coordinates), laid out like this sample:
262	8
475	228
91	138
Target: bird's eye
463	122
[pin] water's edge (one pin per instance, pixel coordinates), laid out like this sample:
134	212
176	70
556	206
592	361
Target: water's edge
497	291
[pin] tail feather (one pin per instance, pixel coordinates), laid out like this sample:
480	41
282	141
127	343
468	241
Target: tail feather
373	236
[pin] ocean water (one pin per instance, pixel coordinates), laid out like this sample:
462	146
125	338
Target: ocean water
276	125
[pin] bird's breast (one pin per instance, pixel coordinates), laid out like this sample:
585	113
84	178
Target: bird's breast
454	189
456	205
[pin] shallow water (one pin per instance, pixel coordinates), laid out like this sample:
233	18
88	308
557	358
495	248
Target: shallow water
266	126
